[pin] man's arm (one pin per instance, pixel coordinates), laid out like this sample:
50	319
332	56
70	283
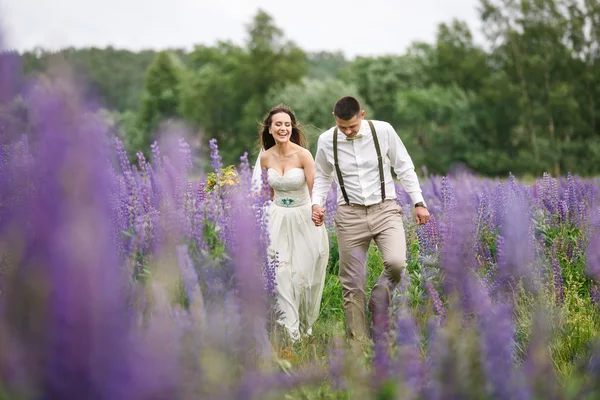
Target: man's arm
309	169
404	167
323	175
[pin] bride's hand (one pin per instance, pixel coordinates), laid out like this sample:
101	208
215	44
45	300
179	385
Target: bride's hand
318	214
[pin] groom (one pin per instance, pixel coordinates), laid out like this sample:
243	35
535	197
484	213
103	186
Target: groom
358	154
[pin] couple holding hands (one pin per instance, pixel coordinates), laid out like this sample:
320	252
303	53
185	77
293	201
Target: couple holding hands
358	155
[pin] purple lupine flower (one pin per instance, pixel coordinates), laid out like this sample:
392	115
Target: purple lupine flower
265	193
331	208
562	211
10	74
498	206
429	239
538	365
445	382
336	367
402	197
518	255
216	162
571	198
593	254
154	188
79	338
245	173
549	194
142	164
186	154
189	277
409	359
497	333
434	296
485	209
448	196
156	159
594	293
245	251
558	282
270	275
435	189
381	362
197	219
268	258
457	234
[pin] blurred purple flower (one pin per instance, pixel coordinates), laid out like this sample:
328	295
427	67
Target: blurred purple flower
66	276
216	162
409	360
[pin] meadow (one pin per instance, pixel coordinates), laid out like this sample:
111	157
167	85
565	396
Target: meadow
139	281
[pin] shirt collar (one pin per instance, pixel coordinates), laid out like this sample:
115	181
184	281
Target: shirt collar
364	130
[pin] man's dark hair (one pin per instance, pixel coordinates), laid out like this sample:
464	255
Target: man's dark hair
346	108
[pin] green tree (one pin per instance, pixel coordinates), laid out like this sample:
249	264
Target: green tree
275	62
325	65
226	87
214	93
533	50
435	123
114	75
454	65
160	100
380	79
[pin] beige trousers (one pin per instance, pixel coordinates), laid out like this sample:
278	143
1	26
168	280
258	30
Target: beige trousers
356	226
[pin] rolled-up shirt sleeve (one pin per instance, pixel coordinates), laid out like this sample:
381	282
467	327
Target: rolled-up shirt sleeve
323	175
403	167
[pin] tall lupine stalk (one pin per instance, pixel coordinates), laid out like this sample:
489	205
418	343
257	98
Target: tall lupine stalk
547	192
79	339
258	202
457	230
557	272
497	332
518	242
493	317
593	251
407	361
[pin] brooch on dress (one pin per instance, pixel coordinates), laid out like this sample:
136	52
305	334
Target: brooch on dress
287	202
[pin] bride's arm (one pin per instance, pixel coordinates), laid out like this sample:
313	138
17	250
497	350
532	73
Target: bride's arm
263	165
308	163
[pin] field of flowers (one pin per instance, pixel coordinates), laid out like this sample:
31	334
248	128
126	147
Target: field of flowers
121	281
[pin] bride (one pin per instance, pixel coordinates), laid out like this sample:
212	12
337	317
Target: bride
303	248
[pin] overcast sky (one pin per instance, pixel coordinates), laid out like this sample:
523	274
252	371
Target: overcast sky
369	27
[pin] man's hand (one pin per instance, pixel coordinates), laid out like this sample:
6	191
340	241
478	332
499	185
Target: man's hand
421	215
318	214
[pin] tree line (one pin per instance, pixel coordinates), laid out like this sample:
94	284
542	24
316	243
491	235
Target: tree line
525	102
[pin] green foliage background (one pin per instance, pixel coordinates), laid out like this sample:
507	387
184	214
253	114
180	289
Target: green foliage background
526	103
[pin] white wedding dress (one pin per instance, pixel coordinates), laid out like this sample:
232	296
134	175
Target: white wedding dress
303	251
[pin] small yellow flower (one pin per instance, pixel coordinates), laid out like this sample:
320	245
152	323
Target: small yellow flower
227	177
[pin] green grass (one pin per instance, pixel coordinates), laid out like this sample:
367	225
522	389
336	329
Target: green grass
560	335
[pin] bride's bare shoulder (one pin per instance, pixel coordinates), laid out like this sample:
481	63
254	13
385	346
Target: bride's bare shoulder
265	157
305	154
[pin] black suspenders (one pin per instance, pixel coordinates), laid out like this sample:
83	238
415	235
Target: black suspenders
379	162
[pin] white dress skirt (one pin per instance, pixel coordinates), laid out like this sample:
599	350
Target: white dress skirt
303	251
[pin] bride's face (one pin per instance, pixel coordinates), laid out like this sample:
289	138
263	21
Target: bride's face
281	127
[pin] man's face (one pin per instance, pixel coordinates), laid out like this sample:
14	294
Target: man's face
350	128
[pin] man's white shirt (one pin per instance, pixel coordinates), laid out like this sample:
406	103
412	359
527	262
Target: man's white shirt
357	159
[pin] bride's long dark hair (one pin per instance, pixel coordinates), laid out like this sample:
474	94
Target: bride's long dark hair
267	141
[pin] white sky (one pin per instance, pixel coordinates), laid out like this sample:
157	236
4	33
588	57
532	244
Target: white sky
356	27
